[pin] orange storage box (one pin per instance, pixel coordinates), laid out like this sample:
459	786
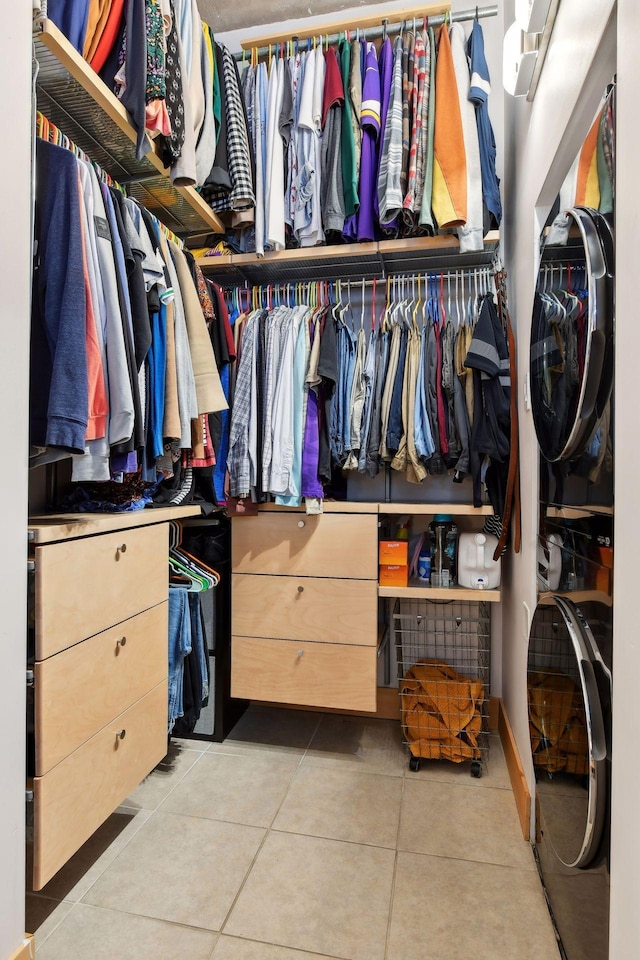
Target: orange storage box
394	575
394	552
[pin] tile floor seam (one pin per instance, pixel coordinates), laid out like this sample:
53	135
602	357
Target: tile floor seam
118	855
58	924
313	836
488	863
321	717
193	765
320	836
267	831
269	943
286	793
395	869
387	941
143	916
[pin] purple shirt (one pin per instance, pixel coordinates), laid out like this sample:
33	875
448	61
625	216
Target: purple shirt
311	486
370	122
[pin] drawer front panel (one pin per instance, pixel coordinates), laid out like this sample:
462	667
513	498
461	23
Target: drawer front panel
331	545
81	689
84	586
305	608
308	674
76	797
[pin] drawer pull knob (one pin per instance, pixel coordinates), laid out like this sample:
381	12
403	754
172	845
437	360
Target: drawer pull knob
120	642
300	653
301	523
121	734
121	549
300	589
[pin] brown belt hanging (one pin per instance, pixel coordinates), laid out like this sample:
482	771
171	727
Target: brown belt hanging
512	495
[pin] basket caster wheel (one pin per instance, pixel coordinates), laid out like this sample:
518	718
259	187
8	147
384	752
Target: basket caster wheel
414	764
476	769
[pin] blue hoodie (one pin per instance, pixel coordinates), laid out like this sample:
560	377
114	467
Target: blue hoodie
70	16
59	391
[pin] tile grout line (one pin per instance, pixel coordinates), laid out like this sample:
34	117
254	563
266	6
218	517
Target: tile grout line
201	754
395	873
150	813
268	831
74	904
269	943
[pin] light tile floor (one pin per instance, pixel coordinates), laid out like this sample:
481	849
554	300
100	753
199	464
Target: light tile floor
302	837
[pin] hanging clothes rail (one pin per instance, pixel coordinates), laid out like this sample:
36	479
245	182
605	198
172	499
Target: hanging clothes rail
50	132
374	28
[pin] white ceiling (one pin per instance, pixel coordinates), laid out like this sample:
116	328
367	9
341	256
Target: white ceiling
225	15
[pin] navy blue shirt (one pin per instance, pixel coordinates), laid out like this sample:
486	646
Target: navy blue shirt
479	95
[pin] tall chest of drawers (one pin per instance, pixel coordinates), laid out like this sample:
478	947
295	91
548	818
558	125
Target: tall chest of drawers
99	667
304	607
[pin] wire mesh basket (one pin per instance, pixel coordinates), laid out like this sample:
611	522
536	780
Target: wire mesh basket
443	651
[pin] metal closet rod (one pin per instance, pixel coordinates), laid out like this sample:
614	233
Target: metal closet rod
463	273
375	32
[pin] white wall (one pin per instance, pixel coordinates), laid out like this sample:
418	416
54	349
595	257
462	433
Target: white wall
15	82
543	138
625	852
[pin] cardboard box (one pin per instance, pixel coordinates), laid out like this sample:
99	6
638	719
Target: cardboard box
394	552
394	575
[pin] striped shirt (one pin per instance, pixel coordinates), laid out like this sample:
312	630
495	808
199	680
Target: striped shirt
389	188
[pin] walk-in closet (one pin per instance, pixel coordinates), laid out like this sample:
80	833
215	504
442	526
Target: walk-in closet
320	508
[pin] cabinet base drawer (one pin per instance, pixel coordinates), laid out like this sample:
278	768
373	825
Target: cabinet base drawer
85	686
74	798
306	608
308	674
292	544
68	609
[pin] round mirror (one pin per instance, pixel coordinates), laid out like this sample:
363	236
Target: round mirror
571	359
567	693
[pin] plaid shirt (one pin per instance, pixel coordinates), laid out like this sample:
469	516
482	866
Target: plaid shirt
242	194
389	189
414	189
238	459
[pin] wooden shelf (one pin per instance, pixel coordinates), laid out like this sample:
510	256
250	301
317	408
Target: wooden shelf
50	528
454	509
77	101
578	512
578	596
359	261
328	506
421	592
349	23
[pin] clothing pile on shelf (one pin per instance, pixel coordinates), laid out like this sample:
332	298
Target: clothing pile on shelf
179	87
427	389
350	143
126	344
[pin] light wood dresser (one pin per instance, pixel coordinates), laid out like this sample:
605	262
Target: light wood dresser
304	606
99	599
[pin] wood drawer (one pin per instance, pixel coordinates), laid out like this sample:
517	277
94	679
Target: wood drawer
330	545
84	586
309	674
81	689
73	799
305	608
